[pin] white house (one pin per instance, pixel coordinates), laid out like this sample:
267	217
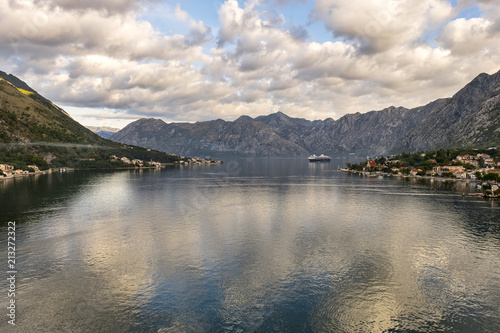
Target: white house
125	160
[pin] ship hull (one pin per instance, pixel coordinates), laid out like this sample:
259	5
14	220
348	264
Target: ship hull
321	158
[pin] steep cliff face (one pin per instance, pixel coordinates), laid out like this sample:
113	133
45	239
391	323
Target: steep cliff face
208	138
370	133
471	110
470	118
482	128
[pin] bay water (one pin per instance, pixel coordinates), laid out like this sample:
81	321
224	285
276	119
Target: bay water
252	245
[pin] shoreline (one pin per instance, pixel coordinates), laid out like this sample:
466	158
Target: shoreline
55	170
67	169
440	179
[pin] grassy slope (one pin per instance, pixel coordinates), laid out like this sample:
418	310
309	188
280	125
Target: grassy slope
26	116
33	129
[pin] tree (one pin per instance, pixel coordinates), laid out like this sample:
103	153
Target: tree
481	163
448	175
405	171
491	176
468	166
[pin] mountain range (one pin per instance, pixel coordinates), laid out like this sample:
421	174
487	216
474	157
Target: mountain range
471	118
103	131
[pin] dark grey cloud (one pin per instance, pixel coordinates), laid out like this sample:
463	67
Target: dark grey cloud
299	32
283	3
199	34
495	27
107	6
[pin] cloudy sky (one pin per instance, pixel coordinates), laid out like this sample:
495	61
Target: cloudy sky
109	62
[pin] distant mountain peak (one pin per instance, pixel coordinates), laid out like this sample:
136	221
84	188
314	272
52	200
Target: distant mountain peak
29	117
150	120
18	83
102	128
244	118
280	114
103	131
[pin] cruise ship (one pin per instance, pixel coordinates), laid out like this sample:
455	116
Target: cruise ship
320	158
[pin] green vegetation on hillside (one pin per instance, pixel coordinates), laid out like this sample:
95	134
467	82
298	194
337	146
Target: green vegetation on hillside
420	160
77	156
426	160
34	131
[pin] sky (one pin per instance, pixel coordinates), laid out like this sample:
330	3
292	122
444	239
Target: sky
110	62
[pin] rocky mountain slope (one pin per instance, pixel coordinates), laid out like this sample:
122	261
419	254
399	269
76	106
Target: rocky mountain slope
33	130
217	137
103	131
471	118
26	117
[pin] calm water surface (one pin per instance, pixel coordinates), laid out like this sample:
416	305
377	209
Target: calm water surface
250	246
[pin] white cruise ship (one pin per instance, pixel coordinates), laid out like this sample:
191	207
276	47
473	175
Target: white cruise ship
320	158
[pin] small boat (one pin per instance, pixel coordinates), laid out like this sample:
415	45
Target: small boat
320	158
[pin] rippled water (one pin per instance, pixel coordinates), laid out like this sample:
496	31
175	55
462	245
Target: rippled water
250	246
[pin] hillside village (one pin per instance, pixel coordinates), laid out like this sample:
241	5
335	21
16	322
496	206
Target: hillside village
480	166
9	171
182	160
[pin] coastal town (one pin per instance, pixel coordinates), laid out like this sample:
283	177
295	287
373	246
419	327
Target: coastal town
482	168
10	171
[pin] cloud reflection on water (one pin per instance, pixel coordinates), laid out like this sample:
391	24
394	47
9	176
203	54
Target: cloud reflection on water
257	253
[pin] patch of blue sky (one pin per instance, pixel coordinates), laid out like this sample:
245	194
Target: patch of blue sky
430	36
298	14
162	17
319	34
471	12
206	11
